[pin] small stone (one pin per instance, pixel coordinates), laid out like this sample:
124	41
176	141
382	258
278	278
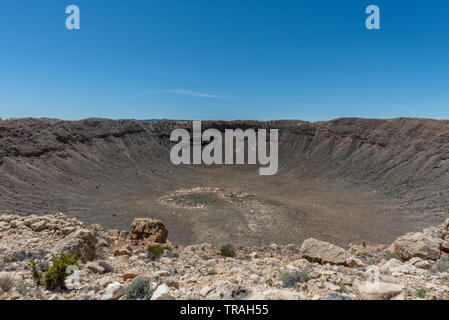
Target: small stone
162	292
38	226
113	291
254	255
129	275
122	252
354	262
205	290
378	290
95	267
161	273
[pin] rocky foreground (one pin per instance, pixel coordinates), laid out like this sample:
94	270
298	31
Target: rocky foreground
115	264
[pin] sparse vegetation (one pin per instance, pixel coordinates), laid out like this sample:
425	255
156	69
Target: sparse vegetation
441	265
54	275
140	288
35	272
291	279
227	251
420	293
6	281
22	288
155	251
22	255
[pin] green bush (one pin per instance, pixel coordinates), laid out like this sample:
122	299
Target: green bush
55	275
140	288
291	279
420	293
35	272
155	251
227	251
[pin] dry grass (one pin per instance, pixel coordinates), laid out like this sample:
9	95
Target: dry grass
6	281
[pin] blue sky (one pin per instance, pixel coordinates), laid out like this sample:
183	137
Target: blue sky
224	59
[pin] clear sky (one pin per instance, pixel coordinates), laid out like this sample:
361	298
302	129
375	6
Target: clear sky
224	59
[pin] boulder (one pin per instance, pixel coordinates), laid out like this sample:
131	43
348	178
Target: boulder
378	290
324	252
149	229
82	242
416	244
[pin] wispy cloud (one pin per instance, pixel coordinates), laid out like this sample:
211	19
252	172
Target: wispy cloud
191	93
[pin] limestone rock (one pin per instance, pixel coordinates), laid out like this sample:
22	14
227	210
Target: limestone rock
378	290
95	267
354	262
162	292
324	252
416	244
38	226
279	294
113	291
149	229
82	242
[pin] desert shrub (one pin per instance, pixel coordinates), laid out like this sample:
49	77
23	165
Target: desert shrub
420	293
291	279
54	275
155	251
441	265
140	288
36	274
22	255
22	288
227	251
6	281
